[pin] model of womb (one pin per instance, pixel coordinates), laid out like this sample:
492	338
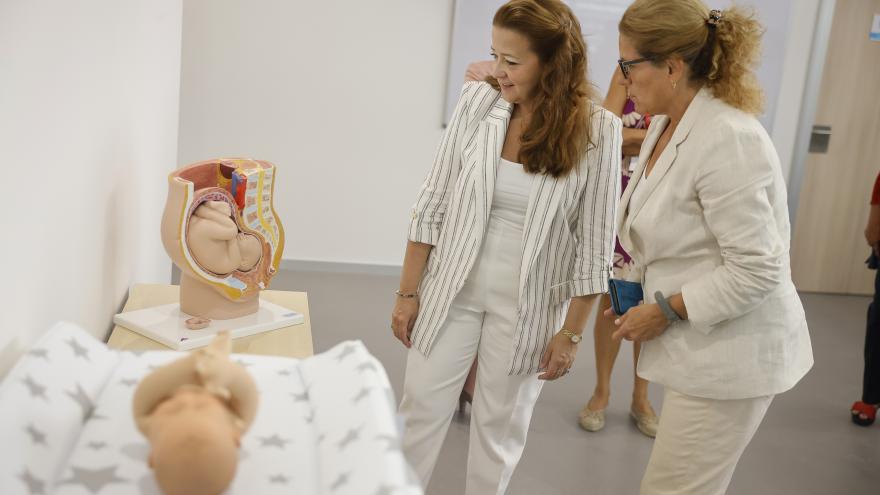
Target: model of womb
221	230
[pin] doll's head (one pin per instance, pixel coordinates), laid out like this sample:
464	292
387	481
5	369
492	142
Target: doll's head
194	439
193	411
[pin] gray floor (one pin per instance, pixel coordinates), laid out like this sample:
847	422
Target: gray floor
806	445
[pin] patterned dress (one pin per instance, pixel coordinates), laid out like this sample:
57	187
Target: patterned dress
633	120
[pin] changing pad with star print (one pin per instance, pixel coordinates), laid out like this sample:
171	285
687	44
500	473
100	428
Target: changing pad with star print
325	425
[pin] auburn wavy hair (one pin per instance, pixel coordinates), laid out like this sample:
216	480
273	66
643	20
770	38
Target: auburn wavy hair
558	133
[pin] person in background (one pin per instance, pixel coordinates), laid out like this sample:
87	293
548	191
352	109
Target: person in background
592	416
864	412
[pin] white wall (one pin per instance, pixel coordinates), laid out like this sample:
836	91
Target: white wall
345	97
798	48
88	133
599	21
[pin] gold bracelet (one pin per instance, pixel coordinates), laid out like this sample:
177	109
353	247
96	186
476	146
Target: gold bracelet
406	295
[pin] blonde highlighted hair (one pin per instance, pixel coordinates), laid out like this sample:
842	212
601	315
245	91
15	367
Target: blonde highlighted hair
722	54
558	133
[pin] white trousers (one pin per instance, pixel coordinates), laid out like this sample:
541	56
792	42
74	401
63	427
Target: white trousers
480	322
699	442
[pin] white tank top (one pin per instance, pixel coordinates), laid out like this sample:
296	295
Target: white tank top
511	199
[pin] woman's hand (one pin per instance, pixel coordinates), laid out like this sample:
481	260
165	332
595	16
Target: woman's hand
639	324
558	357
403	318
479	71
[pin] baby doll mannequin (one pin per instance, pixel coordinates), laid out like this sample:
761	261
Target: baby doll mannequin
193	412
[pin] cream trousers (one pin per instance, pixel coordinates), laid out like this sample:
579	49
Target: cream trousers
699	441
480	322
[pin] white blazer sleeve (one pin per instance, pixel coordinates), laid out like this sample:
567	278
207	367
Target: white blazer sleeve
732	186
430	207
596	224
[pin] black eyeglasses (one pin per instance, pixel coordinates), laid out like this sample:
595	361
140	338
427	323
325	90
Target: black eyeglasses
625	64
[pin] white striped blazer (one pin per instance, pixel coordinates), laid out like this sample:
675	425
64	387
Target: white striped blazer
568	236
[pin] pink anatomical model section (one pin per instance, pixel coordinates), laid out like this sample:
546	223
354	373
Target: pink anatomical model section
221	230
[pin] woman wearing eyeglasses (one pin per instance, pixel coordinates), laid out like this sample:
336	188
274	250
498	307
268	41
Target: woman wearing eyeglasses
706	220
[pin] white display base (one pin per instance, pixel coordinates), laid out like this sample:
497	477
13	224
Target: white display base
167	324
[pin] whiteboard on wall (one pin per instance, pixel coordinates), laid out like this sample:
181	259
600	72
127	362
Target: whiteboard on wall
472	30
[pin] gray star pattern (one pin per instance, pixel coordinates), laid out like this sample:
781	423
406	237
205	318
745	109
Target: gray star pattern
96	445
37	437
128	382
40	353
350	437
279	479
34	485
361	395
366	367
94	480
303	397
341	480
321	438
284	372
82	401
78	350
346	351
273	441
310	418
35	388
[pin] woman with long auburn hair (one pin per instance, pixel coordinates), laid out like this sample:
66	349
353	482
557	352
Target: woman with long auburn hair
511	241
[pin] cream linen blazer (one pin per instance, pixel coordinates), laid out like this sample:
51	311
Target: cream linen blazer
713	225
